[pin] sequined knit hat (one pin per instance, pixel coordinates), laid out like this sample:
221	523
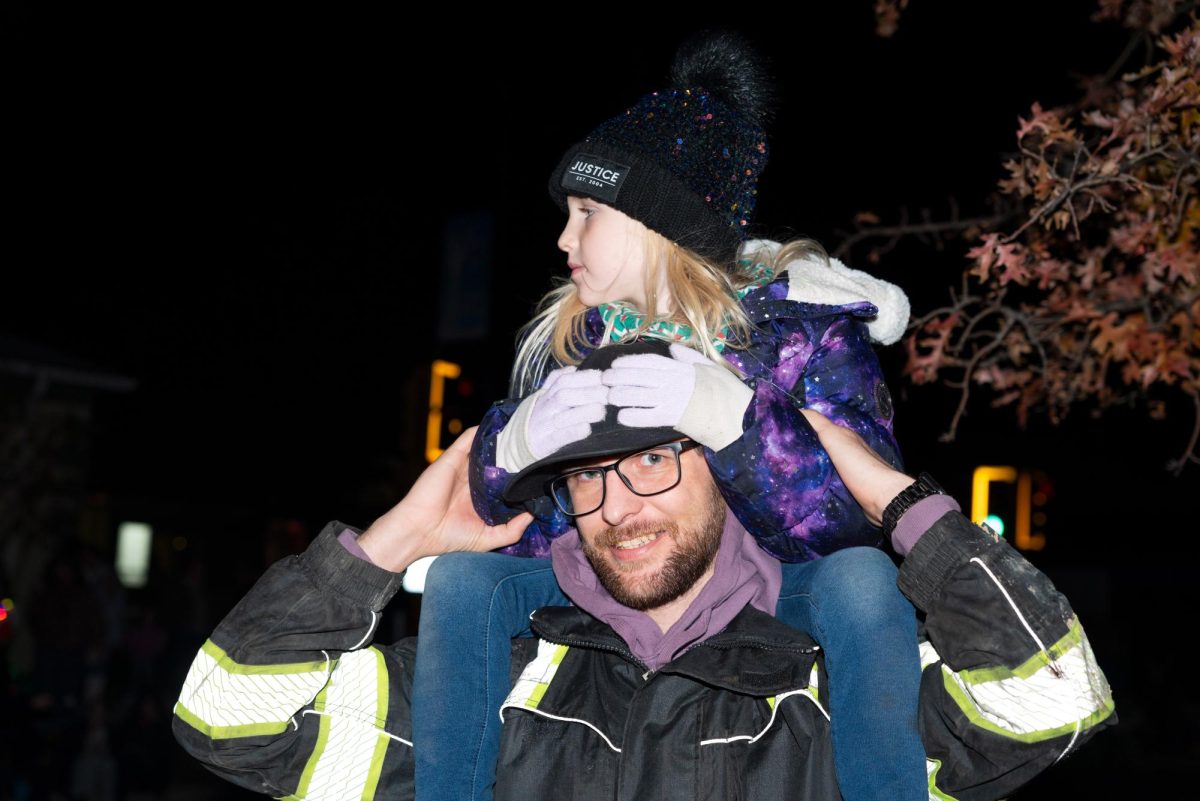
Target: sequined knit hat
684	161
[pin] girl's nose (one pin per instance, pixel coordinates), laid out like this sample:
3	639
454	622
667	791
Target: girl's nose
566	240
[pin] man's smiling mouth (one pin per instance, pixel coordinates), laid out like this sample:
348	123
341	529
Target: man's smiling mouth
638	542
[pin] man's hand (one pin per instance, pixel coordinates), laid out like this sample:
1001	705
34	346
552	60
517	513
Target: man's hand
872	481
436	516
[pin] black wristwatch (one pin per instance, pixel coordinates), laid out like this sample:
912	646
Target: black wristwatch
922	488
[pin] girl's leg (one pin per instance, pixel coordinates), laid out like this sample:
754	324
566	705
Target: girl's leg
849	603
474	603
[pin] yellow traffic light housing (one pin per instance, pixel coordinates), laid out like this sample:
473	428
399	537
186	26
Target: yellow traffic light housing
440	371
984	476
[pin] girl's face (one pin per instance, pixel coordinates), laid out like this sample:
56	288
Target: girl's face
606	253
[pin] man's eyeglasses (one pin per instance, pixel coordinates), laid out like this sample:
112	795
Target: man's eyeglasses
650	472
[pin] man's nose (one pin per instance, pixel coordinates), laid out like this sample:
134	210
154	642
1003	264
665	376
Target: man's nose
619	502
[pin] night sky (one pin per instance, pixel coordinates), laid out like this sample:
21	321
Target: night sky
248	213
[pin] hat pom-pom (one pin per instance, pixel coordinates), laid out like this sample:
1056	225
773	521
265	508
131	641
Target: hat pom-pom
728	66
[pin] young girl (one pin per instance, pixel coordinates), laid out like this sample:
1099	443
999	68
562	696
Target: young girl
657	203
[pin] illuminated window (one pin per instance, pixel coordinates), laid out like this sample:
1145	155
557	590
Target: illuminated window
133	554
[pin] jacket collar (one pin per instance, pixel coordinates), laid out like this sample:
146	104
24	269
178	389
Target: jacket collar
755	654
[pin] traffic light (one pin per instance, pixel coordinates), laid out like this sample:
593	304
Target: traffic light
439	373
993	502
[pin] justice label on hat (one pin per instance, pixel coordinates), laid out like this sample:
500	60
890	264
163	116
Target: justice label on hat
594	176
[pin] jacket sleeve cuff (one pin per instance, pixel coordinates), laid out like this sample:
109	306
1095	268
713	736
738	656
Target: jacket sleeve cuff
919	519
718	406
512	443
349	540
949	543
336	569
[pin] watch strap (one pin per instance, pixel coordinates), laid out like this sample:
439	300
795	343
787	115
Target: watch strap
923	487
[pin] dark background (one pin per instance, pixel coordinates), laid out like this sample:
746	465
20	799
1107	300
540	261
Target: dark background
230	248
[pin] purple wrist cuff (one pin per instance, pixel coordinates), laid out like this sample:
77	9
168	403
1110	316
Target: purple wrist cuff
918	519
349	541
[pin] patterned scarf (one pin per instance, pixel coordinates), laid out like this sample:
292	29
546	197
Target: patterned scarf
624	320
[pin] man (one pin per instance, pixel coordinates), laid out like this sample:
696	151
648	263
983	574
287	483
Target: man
676	686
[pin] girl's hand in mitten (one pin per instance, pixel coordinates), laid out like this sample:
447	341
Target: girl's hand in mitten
559	413
686	391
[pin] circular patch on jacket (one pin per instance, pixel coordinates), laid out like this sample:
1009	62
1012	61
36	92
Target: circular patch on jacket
883	400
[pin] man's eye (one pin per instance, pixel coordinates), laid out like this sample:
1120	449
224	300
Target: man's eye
584	476
651	459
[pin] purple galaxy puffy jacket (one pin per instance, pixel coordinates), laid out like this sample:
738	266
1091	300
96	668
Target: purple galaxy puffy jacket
776	478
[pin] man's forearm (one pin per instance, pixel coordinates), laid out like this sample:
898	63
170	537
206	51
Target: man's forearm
289	688
1009	674
389	551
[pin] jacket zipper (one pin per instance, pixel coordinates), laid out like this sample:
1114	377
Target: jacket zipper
624	653
649	673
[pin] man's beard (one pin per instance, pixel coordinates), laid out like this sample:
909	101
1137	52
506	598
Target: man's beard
695	550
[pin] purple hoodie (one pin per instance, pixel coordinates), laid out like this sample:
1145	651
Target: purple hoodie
743	574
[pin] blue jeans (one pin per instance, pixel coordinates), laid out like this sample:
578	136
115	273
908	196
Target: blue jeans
474	604
848	602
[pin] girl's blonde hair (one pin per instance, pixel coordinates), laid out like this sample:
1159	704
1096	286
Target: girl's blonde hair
703	298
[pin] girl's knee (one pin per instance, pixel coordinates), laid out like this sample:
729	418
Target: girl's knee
451	570
860	583
464	578
504	588
864	565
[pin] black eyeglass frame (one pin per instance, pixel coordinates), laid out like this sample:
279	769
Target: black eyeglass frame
679	447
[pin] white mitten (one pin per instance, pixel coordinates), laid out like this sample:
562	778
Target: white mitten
559	413
688	392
